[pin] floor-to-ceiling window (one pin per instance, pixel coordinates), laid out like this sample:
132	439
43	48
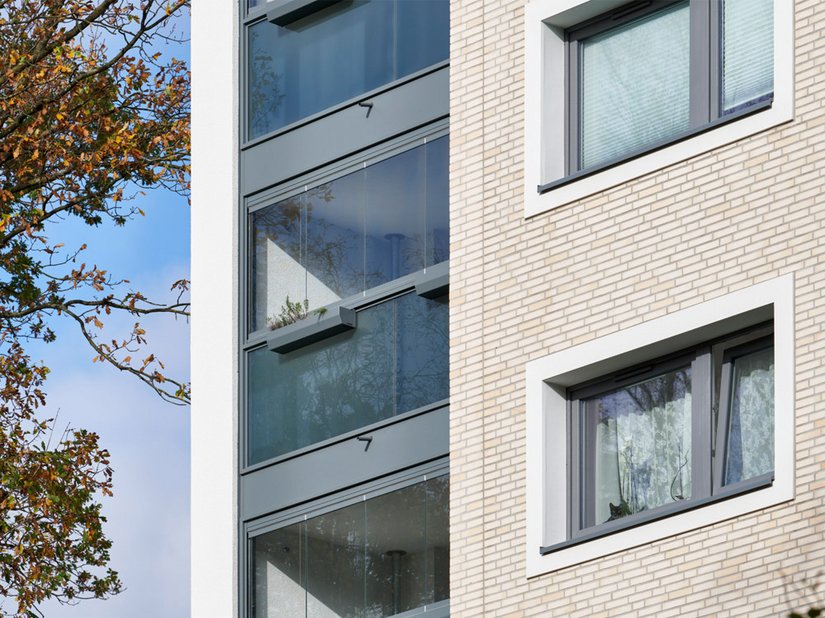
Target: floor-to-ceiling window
344	329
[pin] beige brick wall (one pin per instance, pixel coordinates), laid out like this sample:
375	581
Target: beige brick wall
522	289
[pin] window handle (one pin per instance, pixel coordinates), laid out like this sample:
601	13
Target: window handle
367	105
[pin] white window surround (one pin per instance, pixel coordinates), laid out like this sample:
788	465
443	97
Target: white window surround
546	417
545	23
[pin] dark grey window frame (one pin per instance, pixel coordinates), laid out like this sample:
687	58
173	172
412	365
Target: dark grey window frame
327	504
711	373
705	78
314	178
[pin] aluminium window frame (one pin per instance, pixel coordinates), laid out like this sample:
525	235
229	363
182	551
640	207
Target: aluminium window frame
425	89
253	340
710	402
328	504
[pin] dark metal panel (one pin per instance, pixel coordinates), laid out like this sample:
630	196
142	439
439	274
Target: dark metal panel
293	10
350	462
434	281
362	124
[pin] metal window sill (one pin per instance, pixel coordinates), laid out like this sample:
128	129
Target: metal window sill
591	171
640	519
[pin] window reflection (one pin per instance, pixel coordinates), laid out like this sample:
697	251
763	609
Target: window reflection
337	54
353	233
751	432
641	437
378	557
395	361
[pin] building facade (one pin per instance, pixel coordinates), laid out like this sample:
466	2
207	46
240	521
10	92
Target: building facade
617	411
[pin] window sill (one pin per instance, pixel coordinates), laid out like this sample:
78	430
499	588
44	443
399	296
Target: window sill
754	108
641	519
544	101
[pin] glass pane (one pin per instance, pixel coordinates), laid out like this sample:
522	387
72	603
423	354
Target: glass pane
635	82
750	433
277	247
336	563
334	242
278	577
747	52
337	54
396	211
423	34
423	374
391	363
397	552
638	442
438	538
376	558
438	196
340	238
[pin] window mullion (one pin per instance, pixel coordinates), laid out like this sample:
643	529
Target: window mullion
700	63
715	64
701	399
722	424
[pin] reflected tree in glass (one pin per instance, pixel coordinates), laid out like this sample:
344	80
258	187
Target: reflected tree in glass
750	443
375	558
641	445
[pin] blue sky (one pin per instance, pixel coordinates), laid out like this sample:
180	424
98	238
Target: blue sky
148	517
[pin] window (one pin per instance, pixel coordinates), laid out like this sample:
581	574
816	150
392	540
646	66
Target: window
646	74
606	89
395	361
339	238
644	434
378	554
362	236
337	52
674	424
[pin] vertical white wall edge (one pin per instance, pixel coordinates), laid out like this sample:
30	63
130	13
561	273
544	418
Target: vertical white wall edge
214	553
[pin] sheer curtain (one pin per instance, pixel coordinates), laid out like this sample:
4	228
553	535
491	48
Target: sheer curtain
642	445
